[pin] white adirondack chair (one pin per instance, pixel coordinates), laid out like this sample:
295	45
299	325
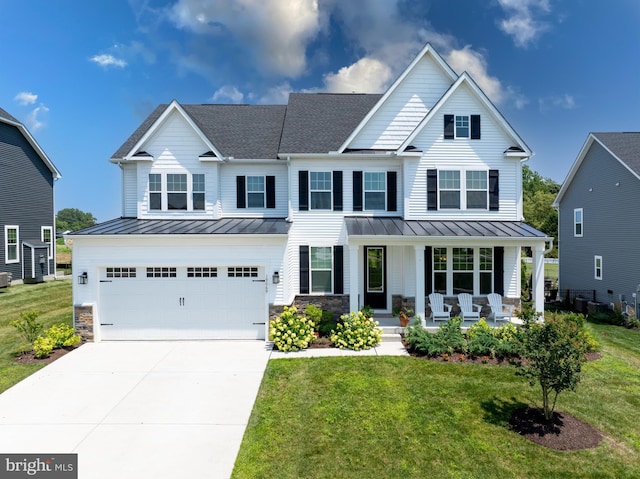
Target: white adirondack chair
499	311
468	310
438	306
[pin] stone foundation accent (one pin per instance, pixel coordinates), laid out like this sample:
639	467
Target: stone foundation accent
83	321
336	304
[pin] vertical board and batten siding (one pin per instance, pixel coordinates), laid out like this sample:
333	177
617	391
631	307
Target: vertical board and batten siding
405	107
611	215
94	254
463	154
176	148
229	172
129	190
26	194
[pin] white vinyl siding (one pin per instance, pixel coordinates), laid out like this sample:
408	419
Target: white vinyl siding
404	108
129	190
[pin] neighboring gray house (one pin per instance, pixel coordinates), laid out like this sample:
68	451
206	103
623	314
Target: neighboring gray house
27	219
599	218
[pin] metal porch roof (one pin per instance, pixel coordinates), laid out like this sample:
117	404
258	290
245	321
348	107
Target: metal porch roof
366	226
229	226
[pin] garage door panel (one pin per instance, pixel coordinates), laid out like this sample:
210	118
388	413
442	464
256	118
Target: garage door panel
183	307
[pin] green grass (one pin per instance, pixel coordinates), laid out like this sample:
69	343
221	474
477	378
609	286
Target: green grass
52	299
403	417
550	270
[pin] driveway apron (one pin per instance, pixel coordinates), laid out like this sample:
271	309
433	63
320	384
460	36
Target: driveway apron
139	409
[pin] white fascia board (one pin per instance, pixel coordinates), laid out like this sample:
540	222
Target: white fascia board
465	78
174	105
34	144
428	49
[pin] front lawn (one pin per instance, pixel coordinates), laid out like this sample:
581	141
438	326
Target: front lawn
403	417
52	299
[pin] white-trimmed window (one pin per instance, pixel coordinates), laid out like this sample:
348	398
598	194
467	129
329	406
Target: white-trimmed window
449	189
255	191
11	244
375	190
597	267
121	272
462	126
462	270
161	272
176	192
477	187
46	236
321	269
320	190
202	272
578	221
242	272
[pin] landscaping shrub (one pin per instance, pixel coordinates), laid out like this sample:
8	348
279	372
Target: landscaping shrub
448	339
482	343
290	331
554	351
63	336
322	319
28	325
356	331
42	346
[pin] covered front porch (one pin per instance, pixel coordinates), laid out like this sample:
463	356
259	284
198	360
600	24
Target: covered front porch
396	262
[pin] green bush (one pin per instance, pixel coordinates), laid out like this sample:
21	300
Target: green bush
42	346
356	331
28	325
322	319
290	331
482	343
448	339
63	336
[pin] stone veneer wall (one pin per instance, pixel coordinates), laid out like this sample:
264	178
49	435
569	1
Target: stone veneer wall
83	321
337	304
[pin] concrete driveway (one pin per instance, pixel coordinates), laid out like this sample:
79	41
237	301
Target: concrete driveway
139	409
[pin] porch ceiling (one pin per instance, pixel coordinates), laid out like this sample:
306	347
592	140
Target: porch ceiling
366	226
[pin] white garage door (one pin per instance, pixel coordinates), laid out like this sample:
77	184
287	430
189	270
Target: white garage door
203	302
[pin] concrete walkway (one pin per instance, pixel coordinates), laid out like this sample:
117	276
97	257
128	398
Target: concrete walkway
146	409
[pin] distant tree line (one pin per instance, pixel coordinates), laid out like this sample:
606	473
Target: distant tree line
538	194
72	219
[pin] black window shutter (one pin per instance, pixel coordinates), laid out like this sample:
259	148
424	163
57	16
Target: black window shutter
494	190
392	191
498	270
475	127
448	127
338	269
432	190
337	191
428	270
304	269
357	191
241	189
270	184
303	190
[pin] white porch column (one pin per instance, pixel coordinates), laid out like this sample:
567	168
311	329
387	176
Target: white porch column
537	278
354	286
420	302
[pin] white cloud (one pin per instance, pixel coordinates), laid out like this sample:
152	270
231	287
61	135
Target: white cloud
277	95
277	31
522	23
227	92
563	102
35	120
106	61
367	75
26	98
474	63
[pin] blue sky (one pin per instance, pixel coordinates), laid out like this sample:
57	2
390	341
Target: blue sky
82	75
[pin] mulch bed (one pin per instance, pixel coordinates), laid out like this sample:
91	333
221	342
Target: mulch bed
29	358
562	433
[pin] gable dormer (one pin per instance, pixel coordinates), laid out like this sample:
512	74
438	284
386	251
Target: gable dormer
404	105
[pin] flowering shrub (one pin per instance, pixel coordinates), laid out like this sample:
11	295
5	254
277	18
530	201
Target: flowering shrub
290	331
42	346
62	335
357	332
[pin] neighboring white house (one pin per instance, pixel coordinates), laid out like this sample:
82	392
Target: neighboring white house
232	211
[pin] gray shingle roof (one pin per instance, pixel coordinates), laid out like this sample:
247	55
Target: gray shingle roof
320	123
309	123
6	115
367	226
625	146
230	226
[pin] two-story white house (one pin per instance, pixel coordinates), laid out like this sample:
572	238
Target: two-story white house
230	212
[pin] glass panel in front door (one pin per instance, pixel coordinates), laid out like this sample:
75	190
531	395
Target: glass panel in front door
375	271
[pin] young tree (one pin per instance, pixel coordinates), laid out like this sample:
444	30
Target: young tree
72	219
553	353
